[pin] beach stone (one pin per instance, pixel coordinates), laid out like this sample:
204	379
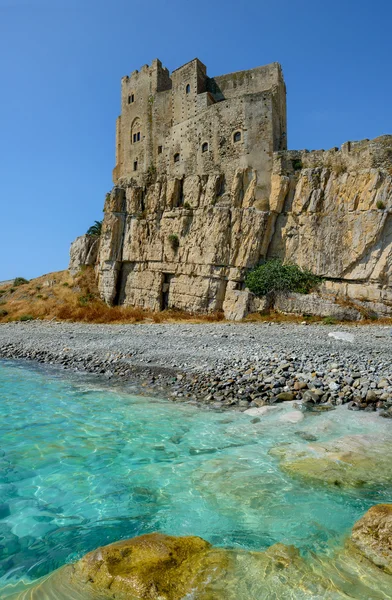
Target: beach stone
285	396
372	535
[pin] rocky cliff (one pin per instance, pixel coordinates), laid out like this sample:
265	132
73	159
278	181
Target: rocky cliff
188	242
336	218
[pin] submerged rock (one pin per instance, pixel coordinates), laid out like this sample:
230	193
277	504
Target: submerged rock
153	566
351	461
162	567
372	535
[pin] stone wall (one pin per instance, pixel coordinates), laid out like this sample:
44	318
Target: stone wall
175	118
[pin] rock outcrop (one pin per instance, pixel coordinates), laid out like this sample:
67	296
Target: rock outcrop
188	242
162	567
83	252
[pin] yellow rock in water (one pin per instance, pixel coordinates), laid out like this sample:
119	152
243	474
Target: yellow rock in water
372	535
153	566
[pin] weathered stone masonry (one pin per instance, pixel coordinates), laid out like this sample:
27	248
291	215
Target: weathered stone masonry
205	189
194	157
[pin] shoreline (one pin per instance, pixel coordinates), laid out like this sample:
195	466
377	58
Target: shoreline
222	366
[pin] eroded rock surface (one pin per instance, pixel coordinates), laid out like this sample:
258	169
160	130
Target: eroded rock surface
372	535
83	252
159	567
151	566
188	242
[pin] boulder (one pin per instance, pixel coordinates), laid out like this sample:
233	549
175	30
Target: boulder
153	566
372	535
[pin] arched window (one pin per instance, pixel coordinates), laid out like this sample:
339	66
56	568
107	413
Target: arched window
188	89
136	135
237	136
176	157
204	147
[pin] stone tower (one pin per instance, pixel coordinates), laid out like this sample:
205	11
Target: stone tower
190	212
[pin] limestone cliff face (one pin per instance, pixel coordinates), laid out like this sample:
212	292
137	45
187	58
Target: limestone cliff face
83	251
182	243
336	218
188	242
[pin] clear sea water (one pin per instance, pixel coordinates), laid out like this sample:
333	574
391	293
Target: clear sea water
84	464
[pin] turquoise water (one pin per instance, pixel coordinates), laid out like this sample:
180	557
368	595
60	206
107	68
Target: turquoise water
83	464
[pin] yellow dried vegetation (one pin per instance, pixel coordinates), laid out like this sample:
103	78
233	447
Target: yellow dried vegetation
62	297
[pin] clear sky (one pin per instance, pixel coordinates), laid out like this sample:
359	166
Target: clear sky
61	62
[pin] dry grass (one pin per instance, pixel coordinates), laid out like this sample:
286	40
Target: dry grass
63	297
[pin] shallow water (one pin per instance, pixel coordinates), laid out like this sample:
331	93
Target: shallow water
83	465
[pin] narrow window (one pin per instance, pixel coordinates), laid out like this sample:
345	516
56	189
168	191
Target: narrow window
138	136
135	165
176	157
134	137
131	98
237	136
188	89
159	149
204	147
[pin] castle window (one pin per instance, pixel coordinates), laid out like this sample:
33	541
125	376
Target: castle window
176	157
204	147
188	89
237	136
131	98
135	165
159	149
136	128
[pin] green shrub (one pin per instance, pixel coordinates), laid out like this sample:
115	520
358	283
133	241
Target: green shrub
20	281
12	290
2	292
187	205
174	241
65	284
26	318
273	277
3	312
329	321
380	205
38	287
297	164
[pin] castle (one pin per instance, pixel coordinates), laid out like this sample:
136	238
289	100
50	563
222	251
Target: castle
191	124
205	189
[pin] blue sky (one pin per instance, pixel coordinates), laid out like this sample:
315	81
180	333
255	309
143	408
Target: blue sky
60	67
